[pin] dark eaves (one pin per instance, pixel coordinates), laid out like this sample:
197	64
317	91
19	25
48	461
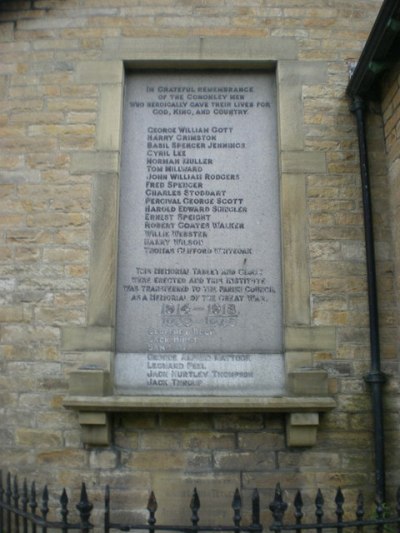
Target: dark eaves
381	51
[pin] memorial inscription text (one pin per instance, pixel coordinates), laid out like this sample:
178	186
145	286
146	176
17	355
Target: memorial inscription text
199	272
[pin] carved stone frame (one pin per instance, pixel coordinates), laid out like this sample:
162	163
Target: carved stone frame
90	385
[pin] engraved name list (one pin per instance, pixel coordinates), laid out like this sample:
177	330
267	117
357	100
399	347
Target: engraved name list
199	269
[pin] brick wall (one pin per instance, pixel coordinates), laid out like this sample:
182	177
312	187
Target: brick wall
45	214
391	121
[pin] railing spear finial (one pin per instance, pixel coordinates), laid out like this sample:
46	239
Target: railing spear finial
278	508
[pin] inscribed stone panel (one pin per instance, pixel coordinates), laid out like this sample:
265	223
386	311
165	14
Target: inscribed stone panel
199	271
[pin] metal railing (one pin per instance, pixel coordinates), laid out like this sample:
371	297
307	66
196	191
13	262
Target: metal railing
380	518
152	526
21	512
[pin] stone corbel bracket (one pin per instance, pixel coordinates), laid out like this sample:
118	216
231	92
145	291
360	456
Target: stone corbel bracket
90	394
301	428
92	382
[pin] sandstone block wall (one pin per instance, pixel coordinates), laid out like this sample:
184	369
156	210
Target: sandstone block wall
49	128
391	121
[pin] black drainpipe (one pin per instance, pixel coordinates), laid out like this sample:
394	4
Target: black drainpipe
380	51
375	377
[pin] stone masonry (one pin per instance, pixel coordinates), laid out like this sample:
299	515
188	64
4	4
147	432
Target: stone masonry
49	128
391	120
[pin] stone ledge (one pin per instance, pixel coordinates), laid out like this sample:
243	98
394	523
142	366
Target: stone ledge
162	49
201	404
302	413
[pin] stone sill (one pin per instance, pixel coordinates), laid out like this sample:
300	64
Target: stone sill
90	393
302	412
200	404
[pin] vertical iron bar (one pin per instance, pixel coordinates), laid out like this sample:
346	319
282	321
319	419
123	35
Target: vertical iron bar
24	501
8	502
195	506
360	511
107	510
255	510
44	509
33	505
152	508
339	500
298	509
379	515
398	508
64	511
278	508
237	506
1	501
16	506
85	508
319	509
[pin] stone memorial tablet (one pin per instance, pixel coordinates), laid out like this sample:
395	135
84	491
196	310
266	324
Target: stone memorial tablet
199	302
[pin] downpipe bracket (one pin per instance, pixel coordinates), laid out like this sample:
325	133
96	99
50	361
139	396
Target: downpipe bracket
375	377
357	104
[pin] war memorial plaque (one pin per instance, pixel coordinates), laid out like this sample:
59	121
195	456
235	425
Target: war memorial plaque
199	302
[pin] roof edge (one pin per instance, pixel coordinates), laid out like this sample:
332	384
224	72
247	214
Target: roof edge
374	57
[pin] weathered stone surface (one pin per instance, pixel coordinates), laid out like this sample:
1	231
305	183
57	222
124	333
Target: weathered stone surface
180	135
62	64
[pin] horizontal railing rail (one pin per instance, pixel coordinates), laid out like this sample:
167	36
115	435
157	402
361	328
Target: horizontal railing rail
194	506
23	511
381	519
19	509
